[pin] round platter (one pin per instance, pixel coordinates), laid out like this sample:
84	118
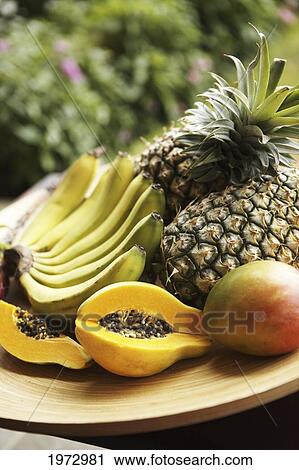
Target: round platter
49	399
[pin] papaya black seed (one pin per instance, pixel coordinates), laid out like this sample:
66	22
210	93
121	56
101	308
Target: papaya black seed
135	324
34	326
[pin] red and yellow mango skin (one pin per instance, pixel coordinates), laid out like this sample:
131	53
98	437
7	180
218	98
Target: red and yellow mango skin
263	294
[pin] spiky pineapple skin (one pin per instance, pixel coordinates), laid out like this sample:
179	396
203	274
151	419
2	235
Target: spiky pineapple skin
258	220
167	164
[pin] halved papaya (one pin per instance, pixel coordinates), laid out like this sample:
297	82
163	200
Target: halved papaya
27	337
137	329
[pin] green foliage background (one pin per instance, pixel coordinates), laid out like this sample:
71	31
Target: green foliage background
132	67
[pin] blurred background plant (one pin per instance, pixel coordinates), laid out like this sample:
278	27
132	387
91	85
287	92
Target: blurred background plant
131	66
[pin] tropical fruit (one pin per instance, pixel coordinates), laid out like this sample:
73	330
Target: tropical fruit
67	196
128	266
133	329
232	134
169	165
247	134
30	338
255	309
108	235
256	221
147	232
17	215
93	210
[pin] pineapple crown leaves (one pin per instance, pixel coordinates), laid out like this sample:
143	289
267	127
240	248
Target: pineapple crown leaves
243	131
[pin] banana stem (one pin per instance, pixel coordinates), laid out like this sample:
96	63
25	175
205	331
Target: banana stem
14	217
4	284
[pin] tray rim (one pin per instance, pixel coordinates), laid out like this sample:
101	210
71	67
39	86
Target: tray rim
160	423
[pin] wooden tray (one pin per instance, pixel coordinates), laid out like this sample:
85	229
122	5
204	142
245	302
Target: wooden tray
47	399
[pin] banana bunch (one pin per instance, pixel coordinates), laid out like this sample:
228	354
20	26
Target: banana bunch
14	218
101	225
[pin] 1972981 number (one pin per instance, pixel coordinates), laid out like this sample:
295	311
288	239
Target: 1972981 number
76	459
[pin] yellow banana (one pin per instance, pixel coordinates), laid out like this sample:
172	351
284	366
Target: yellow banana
17	215
120	212
66	197
93	211
127	267
147	232
152	200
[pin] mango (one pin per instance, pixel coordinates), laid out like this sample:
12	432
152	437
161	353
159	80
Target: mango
254	309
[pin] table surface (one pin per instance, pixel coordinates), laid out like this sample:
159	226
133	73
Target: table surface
275	426
13	440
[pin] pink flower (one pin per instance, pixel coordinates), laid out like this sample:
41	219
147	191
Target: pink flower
72	70
203	64
194	76
4	45
199	65
287	15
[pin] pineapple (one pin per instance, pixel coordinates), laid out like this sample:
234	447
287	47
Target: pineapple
164	159
246	134
229	137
